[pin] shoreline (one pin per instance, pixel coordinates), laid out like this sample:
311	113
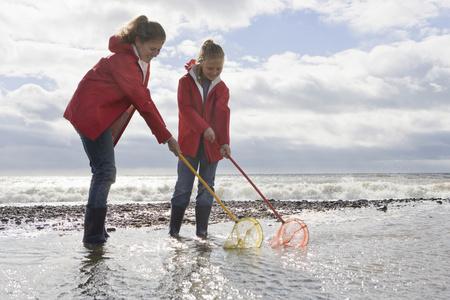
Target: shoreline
135	215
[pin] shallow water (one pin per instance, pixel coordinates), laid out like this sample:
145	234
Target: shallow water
403	253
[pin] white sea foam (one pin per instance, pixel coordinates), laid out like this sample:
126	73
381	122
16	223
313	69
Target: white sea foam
74	190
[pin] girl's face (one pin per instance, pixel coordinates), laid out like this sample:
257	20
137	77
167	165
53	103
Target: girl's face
211	68
149	49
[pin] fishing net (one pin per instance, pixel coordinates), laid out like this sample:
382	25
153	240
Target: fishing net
246	233
292	233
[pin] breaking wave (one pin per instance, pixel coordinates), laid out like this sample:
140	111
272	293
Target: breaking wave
317	187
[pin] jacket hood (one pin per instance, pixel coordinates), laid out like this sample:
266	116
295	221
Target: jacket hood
116	45
190	64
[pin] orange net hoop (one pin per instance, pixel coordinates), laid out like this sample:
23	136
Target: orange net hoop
292	233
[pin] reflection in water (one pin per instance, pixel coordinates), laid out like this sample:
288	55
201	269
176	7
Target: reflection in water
198	269
362	254
188	270
94	274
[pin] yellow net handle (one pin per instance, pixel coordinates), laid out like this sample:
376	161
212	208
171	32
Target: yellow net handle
229	213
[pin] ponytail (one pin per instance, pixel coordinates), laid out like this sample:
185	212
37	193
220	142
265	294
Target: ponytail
210	50
144	29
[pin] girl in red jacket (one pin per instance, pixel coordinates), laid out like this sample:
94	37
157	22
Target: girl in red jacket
203	134
104	103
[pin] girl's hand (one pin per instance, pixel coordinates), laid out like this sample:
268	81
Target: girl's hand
173	146
209	135
225	150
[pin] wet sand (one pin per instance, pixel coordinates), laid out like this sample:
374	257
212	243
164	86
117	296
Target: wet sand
134	215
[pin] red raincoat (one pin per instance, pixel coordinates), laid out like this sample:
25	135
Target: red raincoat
109	94
195	117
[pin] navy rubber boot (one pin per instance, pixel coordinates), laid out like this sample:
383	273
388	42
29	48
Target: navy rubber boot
201	220
94	226
176	218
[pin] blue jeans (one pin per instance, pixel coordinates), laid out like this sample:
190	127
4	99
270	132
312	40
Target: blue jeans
185	181
101	159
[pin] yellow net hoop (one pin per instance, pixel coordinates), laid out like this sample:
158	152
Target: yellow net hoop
246	233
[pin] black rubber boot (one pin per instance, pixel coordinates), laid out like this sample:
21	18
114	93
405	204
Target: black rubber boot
94	226
176	218
201	220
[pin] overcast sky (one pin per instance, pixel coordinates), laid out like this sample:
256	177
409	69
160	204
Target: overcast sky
316	85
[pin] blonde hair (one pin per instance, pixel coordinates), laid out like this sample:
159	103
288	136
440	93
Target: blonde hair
210	50
144	29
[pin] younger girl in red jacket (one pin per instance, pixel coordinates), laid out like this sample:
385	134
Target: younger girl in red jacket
103	104
203	134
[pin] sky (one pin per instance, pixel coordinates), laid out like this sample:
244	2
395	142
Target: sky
316	86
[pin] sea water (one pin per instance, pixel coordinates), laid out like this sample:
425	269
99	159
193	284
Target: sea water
312	187
403	253
364	253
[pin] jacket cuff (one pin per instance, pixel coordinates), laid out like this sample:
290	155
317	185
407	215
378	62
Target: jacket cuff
164	137
165	142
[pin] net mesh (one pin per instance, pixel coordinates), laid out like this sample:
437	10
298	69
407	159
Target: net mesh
246	233
292	233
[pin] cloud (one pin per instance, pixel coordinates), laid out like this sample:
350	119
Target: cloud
353	99
362	107
273	156
377	17
31	115
188	48
63	39
383	98
398	75
191	48
71	22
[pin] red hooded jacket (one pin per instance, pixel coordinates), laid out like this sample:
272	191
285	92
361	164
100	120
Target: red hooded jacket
195	117
109	94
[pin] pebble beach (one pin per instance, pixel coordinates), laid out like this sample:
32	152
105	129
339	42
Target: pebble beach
135	215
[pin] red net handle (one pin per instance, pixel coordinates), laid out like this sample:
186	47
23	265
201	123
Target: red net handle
259	192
